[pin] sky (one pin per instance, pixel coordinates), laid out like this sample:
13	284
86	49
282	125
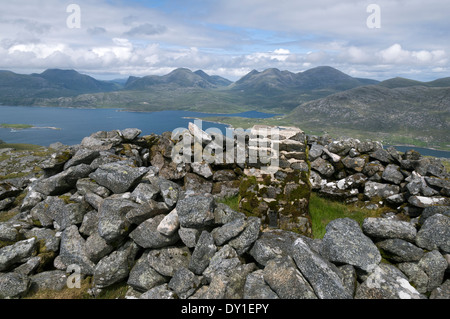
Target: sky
108	39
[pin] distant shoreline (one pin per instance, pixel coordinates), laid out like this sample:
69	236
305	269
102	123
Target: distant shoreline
26	126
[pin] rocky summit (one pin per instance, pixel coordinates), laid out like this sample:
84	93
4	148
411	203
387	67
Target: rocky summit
121	208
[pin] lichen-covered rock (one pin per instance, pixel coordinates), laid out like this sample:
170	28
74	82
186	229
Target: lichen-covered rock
416	275
386	229
61	182
147	235
143	277
392	174
435	233
345	243
13	285
354	163
257	288
116	266
386	283
283	277
423	201
55	280
168	260
184	283
320	273
118	177
243	242
323	167
46	238
434	265
73	250
97	247
228	231
18	253
196	211
82	156
203	252
113	225
159	292
441	292
373	189
398	250
8	233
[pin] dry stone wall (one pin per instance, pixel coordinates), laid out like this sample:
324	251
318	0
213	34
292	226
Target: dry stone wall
119	209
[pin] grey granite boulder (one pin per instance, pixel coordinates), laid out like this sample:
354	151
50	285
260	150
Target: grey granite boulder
272	244
323	167
97	247
189	236
62	182
354	163
244	241
46	238
372	189
399	250
321	274
87	185
55	280
13	285
18	253
283	277
184	283
82	156
143	277
8	233
392	174
196	211
416	275
145	192
228	231
113	225
435	233
382	228
345	243
203	252
386	282
434	265
116	266
159	292
441	292
257	288
147	235
129	134
223	262
47	212
223	214
73	250
168	260
118	177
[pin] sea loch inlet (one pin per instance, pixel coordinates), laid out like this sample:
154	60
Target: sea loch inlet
75	123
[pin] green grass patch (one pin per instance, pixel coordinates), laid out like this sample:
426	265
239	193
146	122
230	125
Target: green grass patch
16	126
6	216
323	211
232	202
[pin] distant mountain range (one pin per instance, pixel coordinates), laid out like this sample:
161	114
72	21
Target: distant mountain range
322	98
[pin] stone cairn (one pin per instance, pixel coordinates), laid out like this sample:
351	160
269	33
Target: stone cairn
121	208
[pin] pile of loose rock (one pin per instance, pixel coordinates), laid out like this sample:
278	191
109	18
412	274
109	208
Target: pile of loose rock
351	170
120	210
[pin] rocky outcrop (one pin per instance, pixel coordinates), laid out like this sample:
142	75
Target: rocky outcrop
132	214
